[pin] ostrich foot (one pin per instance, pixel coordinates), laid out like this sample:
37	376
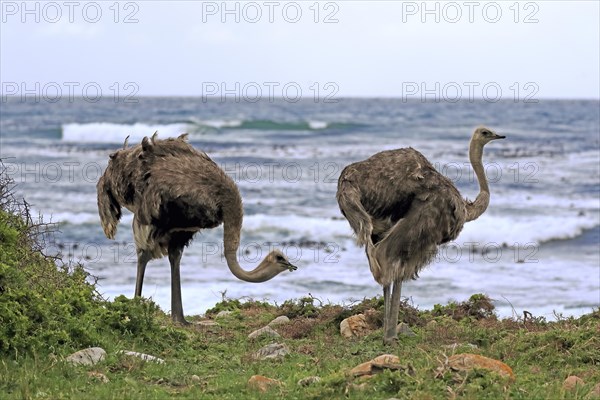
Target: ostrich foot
390	341
180	320
402	329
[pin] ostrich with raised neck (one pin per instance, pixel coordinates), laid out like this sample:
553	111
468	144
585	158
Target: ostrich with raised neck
401	209
174	191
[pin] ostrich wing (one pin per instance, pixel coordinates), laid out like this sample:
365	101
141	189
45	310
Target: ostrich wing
181	188
411	242
400	207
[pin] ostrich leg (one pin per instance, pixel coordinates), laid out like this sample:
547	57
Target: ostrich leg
175	253
386	307
143	258
392	318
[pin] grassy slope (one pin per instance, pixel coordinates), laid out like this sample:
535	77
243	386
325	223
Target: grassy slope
541	355
48	312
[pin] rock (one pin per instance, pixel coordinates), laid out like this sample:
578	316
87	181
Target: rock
354	387
281	320
385	359
365	368
98	376
454	346
266	331
572	382
309	380
223	313
145	357
195	378
272	351
207	322
354	326
467	362
376	365
89	356
595	393
403	329
262	383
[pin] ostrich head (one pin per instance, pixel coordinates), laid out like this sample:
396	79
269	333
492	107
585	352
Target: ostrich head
278	262
483	136
273	264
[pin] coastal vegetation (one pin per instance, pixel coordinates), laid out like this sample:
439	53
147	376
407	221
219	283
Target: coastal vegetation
49	310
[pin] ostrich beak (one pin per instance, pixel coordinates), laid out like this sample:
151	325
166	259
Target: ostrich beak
291	267
499	137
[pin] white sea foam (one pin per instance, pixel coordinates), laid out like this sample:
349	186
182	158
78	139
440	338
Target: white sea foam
218	123
317	124
74	218
82	218
103	132
527	201
488	228
523	230
296	226
507	282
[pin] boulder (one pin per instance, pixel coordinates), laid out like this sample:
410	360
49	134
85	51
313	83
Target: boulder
309	380
145	357
572	382
376	365
403	329
350	387
595	393
266	331
454	346
281	320
206	322
272	351
467	362
262	383
354	326
89	356
98	376
223	313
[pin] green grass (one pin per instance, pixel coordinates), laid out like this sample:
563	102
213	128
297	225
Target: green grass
49	310
542	354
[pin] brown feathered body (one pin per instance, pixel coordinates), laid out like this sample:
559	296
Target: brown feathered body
401	209
173	190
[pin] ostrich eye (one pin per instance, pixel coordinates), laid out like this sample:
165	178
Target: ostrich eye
485	133
280	258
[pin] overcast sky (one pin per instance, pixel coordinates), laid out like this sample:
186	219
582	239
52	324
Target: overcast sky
548	49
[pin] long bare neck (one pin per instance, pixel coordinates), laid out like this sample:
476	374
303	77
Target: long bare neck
478	207
232	227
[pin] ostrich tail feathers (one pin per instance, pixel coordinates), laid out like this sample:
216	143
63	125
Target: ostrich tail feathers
109	209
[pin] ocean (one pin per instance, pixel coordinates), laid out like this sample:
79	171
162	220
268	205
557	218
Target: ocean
535	249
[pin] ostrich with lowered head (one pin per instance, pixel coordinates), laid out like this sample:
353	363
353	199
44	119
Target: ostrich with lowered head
174	191
401	209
